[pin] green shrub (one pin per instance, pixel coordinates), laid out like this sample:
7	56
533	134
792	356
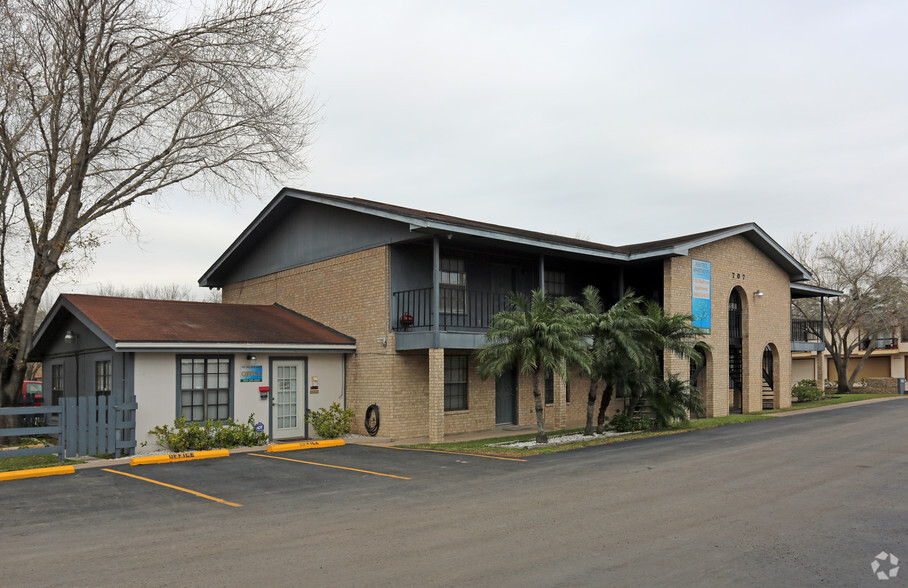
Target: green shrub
807	391
330	423
186	436
624	424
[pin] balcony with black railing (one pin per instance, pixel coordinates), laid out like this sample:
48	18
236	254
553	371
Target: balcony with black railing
460	309
806	335
880	343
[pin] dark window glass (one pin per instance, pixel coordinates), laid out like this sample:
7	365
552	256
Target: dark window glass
102	378
456	382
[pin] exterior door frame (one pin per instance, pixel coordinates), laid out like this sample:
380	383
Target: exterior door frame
302	392
514	375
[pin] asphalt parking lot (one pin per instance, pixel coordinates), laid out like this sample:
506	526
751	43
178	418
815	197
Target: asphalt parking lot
803	500
241	480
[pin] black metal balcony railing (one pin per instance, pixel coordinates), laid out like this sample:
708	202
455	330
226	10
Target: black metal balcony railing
458	308
806	331
881	343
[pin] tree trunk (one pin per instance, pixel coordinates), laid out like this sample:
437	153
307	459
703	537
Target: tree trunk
540	416
603	406
591	406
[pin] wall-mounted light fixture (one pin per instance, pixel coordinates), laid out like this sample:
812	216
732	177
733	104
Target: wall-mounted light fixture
69	337
250	357
758	294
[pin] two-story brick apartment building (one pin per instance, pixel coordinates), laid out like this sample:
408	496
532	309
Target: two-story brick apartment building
417	289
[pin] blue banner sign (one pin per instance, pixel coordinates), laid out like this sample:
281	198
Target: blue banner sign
700	295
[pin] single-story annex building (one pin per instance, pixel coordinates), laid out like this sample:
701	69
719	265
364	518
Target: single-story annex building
195	359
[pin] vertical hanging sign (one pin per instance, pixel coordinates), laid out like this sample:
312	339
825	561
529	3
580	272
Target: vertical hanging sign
700	295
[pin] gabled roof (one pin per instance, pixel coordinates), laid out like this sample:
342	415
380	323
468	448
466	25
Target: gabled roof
134	324
421	221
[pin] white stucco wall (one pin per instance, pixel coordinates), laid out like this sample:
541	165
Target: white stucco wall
156	390
155	386
246	397
329	369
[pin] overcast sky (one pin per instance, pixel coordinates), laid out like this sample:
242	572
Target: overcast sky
617	121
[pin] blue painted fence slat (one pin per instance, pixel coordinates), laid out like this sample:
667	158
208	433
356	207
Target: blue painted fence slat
82	426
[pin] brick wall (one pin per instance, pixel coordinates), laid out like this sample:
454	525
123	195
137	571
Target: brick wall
350	294
737	264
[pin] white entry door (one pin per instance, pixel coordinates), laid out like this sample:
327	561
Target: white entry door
288	399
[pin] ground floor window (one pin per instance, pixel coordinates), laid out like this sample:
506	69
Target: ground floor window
456	382
550	388
56	383
102	378
205	388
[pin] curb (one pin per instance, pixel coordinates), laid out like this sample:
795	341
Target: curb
788	413
36	473
305	445
175	457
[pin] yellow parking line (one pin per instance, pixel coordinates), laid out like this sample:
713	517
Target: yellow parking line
442	451
222	501
331	466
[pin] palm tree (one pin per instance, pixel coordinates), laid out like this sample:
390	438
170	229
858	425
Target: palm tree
673	399
618	352
537	334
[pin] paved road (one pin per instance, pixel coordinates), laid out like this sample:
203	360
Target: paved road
805	500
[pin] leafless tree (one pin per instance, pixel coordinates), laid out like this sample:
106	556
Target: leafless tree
171	291
104	103
868	264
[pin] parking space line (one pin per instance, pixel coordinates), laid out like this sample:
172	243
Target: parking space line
331	466
221	500
442	451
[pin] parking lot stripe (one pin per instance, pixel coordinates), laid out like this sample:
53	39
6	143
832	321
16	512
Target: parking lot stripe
442	451
331	466
199	494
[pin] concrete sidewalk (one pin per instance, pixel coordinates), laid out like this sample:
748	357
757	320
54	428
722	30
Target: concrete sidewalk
512	430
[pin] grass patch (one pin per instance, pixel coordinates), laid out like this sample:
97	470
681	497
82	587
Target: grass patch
27	462
482	446
836	399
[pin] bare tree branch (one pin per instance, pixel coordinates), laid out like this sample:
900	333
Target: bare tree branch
106	102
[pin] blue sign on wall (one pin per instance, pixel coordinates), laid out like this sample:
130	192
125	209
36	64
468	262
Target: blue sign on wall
700	295
251	373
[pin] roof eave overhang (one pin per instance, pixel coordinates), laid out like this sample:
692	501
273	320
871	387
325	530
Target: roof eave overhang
435	227
810	291
196	346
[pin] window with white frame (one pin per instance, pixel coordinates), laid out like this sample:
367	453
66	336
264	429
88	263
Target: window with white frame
453	281
103	378
205	388
456	382
56	383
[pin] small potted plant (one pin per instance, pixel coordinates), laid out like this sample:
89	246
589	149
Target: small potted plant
406	320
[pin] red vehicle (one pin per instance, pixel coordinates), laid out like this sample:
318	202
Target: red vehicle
31	395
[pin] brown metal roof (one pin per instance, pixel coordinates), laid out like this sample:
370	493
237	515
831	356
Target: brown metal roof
141	320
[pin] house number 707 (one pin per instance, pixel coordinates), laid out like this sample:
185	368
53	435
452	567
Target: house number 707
738	276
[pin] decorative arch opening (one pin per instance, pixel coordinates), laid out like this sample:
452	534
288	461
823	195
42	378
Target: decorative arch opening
770	377
735	351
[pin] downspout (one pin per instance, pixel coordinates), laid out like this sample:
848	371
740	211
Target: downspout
436	297
542	272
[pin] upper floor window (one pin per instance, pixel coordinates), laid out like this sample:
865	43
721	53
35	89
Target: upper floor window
555	283
453	281
103	378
